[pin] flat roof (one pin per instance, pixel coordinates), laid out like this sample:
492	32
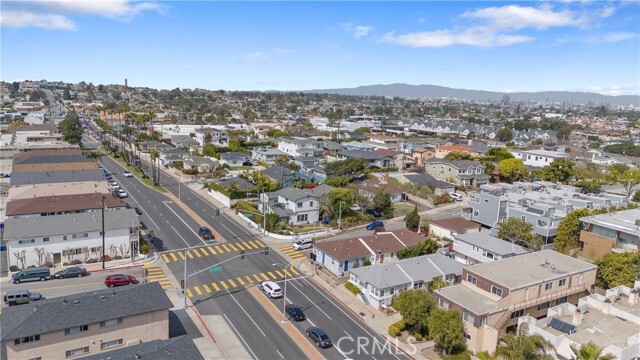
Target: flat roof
469	299
63	203
624	220
612	330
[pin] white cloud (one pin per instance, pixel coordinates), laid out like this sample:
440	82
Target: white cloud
55	14
473	36
607	11
515	17
617	37
361	31
254	56
283	51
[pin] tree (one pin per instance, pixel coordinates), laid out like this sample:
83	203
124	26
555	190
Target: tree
424	247
412	219
512	170
350	167
382	203
590	351
560	171
458	155
589	186
519	232
362	130
504	134
446	329
436	284
618	269
71	128
628	179
524	347
636	196
66	94
563	133
415	306
334	199
568	233
499	154
425	224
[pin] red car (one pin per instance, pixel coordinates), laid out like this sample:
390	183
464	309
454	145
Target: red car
119	279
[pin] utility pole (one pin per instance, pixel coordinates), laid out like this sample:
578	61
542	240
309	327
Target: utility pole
340	217
184	285
103	233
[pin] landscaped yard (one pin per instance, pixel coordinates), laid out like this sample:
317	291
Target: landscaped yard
402	209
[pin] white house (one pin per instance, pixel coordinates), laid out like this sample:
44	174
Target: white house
69	237
537	158
266	154
477	248
298	147
299	207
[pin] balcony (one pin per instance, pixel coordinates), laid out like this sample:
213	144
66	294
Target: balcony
548	297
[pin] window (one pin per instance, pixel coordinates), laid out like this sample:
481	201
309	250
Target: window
64	237
80	236
76	352
483	321
111	322
299	204
27	339
391	291
96	249
467	336
472	279
518	313
310	203
475	212
543	306
443	304
29	241
110	344
486	200
542	223
523	218
496	291
45	239
562	282
602	231
561	300
38	358
76	329
303	217
468	318
548	286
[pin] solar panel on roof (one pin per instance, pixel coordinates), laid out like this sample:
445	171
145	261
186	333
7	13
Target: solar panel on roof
562	326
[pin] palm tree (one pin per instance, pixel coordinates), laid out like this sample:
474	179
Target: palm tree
590	351
524	347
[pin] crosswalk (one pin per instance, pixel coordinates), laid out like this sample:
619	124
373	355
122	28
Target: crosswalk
241	281
155	274
292	254
250	245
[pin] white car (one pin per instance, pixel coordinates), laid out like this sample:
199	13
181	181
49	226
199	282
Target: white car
114	185
122	194
302	244
127	174
272	289
456	196
355	207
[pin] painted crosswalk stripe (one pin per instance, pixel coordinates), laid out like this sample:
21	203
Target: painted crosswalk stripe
240	281
289	274
197	289
206	288
246	245
233	247
248	279
189	293
226	248
224	285
173	256
204	251
298	257
257	278
253	244
211	249
215	286
272	275
279	274
285	249
294	271
233	284
261	244
264	276
239	246
197	253
181	256
219	249
166	259
189	254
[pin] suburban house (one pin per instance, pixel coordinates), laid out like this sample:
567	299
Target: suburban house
238	183
212	136
381	282
60	205
370	192
234	158
477	248
442	151
450	227
202	164
493	295
387	142
267	154
169	156
371	158
184	141
297	147
64	238
459	172
421	155
537	158
280	174
613	232
299	207
340	256
610	321
437	186
88	323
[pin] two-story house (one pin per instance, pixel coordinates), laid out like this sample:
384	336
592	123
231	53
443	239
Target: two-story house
234	158
267	154
371	158
297	147
459	172
493	295
297	206
613	232
477	248
387	142
211	136
537	158
442	151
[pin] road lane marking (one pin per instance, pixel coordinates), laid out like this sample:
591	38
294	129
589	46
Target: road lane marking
215	286
240	281
261	244
204	251
253	244
239	246
272	276
233	247
294	270
189	254
211	249
181	255
240	336
197	289
226	248
166	259
224	285
257	278
180	235
189	293
184	222
249	280
233	284
197	252
219	249
279	273
246	313
264	276
173	256
206	288
311	301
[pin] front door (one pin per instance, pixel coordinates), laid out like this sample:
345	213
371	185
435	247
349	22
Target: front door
346	266
56	258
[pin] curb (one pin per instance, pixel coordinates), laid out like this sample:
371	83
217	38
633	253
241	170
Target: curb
116	268
203	324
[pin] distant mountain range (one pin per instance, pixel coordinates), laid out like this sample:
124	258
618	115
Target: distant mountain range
433	91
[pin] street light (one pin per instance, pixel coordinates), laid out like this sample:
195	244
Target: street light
340	216
284	294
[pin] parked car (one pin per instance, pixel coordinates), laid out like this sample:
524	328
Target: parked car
31	274
374	212
355	207
127	174
17	297
138	211
119	279
114	185
272	289
205	233
227	177
375	224
319	337
302	244
122	194
456	196
295	312
75	271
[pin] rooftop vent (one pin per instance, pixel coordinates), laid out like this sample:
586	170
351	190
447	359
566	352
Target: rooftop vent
76	302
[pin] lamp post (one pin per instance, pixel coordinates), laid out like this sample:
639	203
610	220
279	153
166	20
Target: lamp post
340	217
103	234
284	294
184	285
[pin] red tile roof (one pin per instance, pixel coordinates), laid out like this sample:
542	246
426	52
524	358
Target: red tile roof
383	242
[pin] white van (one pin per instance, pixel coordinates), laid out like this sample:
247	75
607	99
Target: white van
456	196
272	289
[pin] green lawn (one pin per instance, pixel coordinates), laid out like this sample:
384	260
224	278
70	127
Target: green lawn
138	174
402	209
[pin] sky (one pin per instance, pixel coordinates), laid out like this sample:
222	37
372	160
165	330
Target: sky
300	45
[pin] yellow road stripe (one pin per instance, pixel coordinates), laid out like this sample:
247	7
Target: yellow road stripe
226	248
286	248
233	247
239	246
189	293
224	285
196	252
219	249
197	289
246	245
289	274
181	256
189	254
253	244
279	274
233	284
257	278
206	288
272	275
215	286
166	259
211	249
261	244
248	279
173	256
298	257
204	252
294	270
240	281
264	276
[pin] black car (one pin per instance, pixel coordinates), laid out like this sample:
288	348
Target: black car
295	312
138	211
319	337
205	233
71	272
374	212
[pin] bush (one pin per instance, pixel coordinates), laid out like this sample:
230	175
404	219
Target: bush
13	268
48	264
106	258
417	336
118	257
464	355
76	262
65	264
396	328
483	355
354	289
91	261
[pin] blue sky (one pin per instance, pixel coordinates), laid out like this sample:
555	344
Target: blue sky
500	46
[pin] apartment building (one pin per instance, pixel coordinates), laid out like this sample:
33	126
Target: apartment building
613	232
610	321
84	324
298	147
28	191
297	206
537	158
459	172
493	295
379	141
478	248
60	205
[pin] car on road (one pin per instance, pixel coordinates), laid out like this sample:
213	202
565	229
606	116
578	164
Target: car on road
295	312
127	174
302	244
373	212
114	185
31	274
319	337
272	289
17	297
227	177
355	207
138	211
375	224
75	271
119	280
205	233
456	196
122	194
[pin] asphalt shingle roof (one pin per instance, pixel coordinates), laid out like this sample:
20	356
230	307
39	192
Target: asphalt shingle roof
46	177
180	347
293	194
491	243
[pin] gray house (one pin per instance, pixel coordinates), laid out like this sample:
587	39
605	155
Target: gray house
482	247
267	154
437	186
460	172
299	207
372	158
234	158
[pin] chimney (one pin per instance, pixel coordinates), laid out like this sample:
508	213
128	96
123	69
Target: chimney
633	297
606	307
577	317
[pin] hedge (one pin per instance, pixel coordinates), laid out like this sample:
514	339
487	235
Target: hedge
354	289
396	328
243	205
